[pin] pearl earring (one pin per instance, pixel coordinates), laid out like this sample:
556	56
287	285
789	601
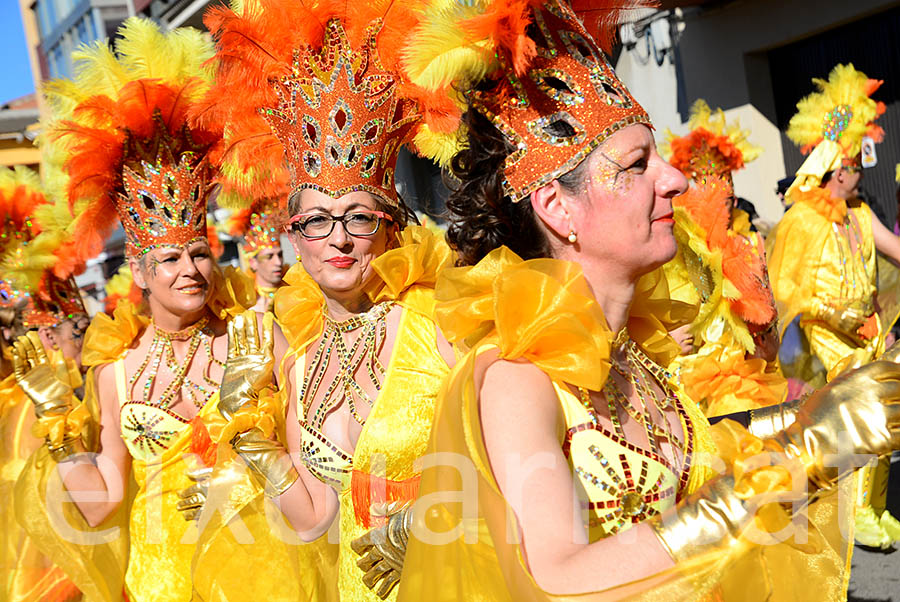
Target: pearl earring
573	238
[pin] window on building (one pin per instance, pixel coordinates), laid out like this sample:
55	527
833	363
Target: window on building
81	32
46	16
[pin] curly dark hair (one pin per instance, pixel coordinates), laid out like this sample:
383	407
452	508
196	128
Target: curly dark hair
481	217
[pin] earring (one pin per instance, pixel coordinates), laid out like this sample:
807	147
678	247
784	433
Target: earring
573	238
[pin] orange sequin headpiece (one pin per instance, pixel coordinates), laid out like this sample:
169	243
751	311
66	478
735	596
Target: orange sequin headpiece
166	180
260	225
57	301
563	107
535	72
309	90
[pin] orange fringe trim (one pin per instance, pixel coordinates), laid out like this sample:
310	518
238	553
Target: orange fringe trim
869	330
368	489
201	443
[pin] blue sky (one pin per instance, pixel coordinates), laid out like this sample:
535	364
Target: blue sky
15	72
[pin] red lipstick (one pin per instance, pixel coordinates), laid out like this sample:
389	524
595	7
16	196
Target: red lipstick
668	218
341	262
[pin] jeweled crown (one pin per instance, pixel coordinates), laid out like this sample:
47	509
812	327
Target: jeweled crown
57	301
567	104
166	181
264	225
339	119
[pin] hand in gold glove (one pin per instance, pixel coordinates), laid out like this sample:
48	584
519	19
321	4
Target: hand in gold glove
250	363
704	521
267	460
192	499
846	320
384	548
46	385
841	425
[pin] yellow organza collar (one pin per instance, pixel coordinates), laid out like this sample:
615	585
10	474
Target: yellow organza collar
543	310
108	338
420	256
832	208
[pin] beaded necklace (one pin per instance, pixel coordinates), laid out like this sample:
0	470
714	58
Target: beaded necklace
162	352
363	352
851	261
638	370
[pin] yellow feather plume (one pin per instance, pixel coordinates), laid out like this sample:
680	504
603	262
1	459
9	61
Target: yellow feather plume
120	284
819	114
442	58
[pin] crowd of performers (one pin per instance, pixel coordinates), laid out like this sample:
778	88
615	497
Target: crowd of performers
579	389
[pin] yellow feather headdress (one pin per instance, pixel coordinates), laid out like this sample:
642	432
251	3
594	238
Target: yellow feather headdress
832	123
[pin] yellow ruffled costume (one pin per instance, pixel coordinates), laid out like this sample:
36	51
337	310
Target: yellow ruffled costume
380	469
542	311
721	267
144	550
810	259
27	573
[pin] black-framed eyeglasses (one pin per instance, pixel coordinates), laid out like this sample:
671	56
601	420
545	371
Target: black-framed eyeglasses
313	226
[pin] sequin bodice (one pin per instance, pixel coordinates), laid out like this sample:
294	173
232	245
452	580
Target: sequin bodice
624	484
147	430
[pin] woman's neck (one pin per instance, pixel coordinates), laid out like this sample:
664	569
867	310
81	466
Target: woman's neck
615	300
342	308
170	322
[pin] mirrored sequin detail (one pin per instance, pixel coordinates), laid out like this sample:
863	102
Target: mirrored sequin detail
148	431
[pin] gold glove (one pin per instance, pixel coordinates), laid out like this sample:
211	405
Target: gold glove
847	320
192	499
861	410
765	422
267	460
46	385
383	548
250	363
705	520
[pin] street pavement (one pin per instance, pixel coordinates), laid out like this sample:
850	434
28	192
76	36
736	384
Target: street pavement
875	576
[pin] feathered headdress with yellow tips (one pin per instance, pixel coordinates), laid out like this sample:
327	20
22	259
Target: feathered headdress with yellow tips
32	233
19	197
311	95
129	149
531	68
832	123
713	148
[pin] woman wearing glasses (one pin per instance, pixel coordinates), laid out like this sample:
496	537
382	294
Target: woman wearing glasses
366	359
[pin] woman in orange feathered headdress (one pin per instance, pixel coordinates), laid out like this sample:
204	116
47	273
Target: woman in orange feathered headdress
316	110
129	155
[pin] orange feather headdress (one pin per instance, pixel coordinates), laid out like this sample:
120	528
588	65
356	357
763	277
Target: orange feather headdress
312	96
533	69
27	243
713	148
130	151
260	225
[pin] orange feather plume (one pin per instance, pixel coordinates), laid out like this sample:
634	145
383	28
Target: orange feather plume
709	207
